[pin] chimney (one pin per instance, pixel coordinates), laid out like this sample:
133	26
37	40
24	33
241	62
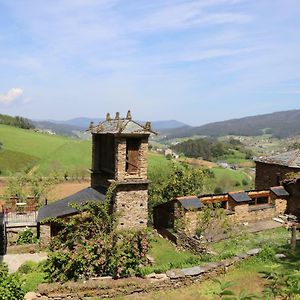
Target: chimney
117	117
128	116
148	126
108	117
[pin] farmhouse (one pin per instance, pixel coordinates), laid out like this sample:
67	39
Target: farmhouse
240	207
119	157
271	170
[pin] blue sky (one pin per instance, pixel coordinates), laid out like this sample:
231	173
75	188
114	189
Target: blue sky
195	61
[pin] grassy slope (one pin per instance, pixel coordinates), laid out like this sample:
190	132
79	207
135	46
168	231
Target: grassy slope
25	148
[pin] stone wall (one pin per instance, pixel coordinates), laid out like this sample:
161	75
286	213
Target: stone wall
191	220
44	234
131	201
268	175
293	187
189	243
106	287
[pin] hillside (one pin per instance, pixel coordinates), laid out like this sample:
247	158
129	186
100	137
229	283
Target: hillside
25	150
280	124
84	123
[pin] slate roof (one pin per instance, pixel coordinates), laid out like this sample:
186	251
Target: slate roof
289	159
279	191
190	202
121	126
240	197
61	207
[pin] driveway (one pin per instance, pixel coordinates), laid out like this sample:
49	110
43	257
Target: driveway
14	261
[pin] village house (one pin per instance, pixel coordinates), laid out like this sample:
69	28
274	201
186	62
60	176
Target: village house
119	157
240	207
271	170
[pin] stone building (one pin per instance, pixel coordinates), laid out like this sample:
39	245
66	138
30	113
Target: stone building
271	170
119	157
293	187
240	207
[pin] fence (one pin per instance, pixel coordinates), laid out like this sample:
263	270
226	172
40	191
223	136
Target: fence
24	214
3	237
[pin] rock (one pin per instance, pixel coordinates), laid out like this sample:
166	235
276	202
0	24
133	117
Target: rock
150	259
43	298
242	255
253	251
193	271
174	274
280	255
31	296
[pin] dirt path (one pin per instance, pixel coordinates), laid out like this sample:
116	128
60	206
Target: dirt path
14	261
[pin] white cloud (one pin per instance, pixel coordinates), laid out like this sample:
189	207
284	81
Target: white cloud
11	96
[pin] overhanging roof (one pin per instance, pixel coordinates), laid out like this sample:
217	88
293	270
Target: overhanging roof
240	197
279	191
62	207
289	159
190	202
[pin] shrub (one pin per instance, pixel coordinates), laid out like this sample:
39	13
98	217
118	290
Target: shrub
218	190
10	285
245	182
26	237
90	245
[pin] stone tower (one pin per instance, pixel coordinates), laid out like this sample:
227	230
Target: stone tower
120	147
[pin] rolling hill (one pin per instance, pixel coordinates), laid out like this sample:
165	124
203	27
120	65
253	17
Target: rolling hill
280	124
27	150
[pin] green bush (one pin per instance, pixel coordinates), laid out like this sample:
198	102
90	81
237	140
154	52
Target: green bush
90	245
10	285
245	182
26	237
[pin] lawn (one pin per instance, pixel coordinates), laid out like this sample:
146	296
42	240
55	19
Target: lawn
246	275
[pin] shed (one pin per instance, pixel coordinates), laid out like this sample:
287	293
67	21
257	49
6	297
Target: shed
62	208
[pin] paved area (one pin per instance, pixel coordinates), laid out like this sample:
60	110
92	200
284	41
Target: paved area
14	261
262	225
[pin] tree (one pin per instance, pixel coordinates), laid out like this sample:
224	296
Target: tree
181	180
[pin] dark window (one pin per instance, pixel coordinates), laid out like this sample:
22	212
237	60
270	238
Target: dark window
262	200
132	155
252	202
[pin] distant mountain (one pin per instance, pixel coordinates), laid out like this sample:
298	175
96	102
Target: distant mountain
63	129
280	124
84	123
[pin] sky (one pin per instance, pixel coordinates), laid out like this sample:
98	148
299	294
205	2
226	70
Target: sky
196	61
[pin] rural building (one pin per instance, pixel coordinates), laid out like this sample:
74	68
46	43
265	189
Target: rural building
250	206
119	157
271	170
293	187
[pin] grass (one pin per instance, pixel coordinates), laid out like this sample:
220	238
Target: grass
12	161
246	275
23	149
166	255
230	180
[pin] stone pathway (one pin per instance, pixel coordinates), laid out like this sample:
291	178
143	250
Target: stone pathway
14	261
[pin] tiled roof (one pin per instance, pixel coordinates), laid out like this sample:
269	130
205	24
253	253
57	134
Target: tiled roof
121	126
279	191
289	159
62	207
240	197
190	202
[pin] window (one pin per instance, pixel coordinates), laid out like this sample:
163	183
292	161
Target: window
132	155
262	200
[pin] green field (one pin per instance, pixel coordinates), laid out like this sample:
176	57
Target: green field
24	150
230	180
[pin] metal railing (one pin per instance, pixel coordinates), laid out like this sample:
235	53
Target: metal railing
20	214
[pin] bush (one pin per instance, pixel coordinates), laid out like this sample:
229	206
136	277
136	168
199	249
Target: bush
10	285
245	182
26	237
90	245
218	190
